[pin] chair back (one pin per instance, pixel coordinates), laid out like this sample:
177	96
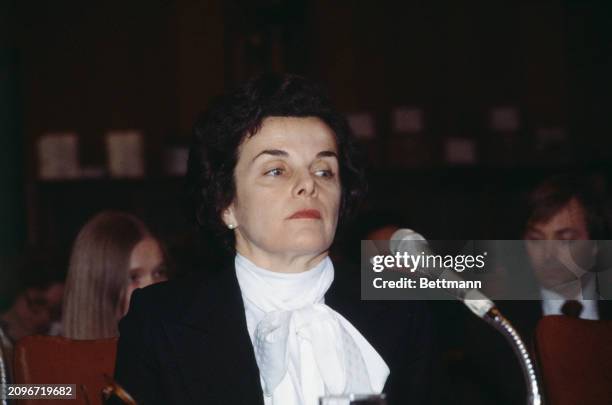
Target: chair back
574	357
58	360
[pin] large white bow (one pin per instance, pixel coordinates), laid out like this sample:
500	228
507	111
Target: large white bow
305	349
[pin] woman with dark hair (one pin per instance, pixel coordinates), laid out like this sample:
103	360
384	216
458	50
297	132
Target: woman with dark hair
272	172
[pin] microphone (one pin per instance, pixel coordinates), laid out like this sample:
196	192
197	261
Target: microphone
410	242
413	243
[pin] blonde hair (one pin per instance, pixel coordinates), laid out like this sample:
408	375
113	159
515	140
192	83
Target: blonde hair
98	275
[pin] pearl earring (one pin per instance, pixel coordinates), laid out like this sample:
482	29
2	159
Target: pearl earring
231	226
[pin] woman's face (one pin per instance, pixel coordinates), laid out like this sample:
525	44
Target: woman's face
146	267
287	190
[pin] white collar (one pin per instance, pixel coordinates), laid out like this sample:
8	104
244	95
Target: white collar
586	290
304	349
271	290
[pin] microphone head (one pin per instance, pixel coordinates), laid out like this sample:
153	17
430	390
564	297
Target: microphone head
403	240
406	234
413	243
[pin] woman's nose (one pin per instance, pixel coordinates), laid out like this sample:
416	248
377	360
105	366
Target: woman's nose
305	185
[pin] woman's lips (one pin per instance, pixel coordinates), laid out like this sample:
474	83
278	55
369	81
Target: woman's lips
308	214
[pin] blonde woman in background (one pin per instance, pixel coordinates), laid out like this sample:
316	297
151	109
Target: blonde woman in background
114	254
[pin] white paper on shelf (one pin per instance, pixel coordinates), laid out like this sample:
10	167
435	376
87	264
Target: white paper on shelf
362	125
407	120
459	151
58	156
125	153
504	119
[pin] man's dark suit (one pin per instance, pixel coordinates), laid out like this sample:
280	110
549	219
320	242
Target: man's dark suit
186	342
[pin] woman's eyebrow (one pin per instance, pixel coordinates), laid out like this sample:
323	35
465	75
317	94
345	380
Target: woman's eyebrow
282	153
271	152
327	153
135	271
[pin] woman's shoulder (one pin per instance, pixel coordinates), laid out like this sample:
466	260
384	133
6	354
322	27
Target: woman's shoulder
167	299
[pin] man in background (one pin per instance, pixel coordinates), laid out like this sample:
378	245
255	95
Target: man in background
563	221
35	305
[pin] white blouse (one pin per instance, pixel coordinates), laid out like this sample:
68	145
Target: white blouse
304	349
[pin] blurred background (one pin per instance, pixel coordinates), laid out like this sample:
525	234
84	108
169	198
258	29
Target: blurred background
460	106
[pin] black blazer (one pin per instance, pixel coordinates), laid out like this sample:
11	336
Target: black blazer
186	342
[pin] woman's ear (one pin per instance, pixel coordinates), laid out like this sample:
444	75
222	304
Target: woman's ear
229	218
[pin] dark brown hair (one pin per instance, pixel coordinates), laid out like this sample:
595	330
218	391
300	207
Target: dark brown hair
554	193
230	119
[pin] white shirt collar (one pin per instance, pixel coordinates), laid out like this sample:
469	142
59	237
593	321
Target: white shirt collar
552	301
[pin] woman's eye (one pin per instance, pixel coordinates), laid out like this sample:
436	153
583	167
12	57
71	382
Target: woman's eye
274	172
161	273
134	278
324	173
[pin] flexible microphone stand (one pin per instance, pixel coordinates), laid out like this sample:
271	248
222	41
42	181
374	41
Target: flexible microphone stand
494	318
485	309
406	240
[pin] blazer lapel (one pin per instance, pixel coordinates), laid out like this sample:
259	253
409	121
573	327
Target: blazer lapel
212	347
